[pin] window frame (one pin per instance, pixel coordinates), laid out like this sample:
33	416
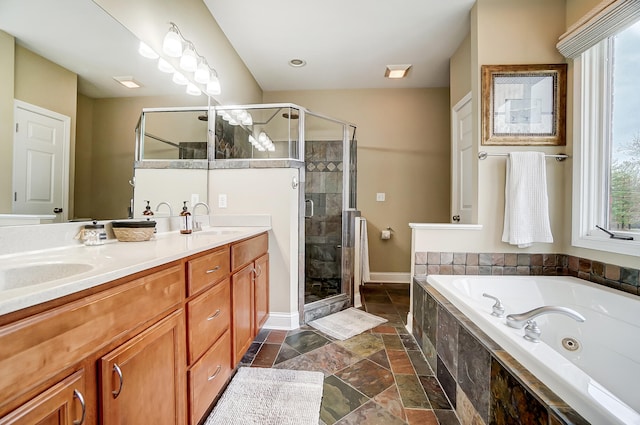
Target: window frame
592	152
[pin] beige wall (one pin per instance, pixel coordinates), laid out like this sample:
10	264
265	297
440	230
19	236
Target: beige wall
83	158
460	71
403	150
7	52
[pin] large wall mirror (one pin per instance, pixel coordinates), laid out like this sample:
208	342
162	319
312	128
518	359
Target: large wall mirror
63	57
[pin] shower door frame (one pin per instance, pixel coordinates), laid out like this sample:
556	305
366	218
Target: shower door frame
346	287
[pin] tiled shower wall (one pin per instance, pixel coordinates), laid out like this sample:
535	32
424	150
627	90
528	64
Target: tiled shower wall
466	263
323	172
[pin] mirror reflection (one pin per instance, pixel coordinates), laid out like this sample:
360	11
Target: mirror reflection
61	58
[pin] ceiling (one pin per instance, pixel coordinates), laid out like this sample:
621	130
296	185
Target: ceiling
346	44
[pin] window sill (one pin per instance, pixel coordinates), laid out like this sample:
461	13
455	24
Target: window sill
599	243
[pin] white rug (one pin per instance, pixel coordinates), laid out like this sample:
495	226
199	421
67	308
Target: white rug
347	323
263	396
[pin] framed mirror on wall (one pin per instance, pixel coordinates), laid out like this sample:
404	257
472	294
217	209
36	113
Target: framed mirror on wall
524	104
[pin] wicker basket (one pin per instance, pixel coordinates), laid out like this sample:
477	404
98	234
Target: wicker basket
128	231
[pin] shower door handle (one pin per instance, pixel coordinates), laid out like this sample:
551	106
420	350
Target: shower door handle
310	203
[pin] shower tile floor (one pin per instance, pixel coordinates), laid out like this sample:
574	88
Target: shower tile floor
377	377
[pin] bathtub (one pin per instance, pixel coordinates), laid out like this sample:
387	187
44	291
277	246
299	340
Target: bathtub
600	377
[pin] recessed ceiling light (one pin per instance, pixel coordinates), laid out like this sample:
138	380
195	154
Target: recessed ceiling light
397	71
128	82
297	63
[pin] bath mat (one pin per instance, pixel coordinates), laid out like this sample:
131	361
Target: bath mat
347	323
270	397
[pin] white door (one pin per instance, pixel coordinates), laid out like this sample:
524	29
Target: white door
462	196
40	161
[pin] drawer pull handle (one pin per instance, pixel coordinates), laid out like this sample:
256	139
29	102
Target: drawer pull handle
212	377
77	394
117	370
213	270
214	315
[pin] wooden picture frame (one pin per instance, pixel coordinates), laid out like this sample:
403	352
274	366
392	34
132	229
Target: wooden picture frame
524	104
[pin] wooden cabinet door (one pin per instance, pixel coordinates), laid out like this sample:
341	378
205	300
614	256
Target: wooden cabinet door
242	308
143	380
62	404
261	291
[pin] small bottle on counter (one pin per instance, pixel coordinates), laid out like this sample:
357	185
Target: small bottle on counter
147	210
186	223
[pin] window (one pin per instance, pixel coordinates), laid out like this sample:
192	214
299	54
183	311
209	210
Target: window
607	144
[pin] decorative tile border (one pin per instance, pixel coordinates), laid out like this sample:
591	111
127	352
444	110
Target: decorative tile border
468	263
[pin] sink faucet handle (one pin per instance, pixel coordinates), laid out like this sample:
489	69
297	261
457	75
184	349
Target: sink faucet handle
498	308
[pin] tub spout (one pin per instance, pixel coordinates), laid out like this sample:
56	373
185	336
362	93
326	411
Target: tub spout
519	320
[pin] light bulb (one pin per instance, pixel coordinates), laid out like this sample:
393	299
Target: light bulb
180	79
213	86
172	44
147	51
262	137
252	140
202	74
165	66
193	90
189	60
248	120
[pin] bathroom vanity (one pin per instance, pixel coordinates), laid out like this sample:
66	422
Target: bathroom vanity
156	345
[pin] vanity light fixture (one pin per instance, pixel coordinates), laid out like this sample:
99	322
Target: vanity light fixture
213	86
165	66
180	79
147	51
397	71
128	82
193	90
189	60
172	43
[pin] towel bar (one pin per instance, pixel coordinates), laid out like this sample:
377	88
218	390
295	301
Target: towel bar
559	157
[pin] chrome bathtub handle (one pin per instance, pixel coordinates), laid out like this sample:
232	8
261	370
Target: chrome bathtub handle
498	308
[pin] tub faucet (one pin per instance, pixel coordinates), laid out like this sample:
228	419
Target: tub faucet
168	206
531	330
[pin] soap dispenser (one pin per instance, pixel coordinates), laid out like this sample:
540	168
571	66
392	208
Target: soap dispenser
186	224
147	210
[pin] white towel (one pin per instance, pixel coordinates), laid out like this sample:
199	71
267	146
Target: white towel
526	206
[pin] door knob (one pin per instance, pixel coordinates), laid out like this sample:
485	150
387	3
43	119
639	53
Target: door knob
57	210
456	218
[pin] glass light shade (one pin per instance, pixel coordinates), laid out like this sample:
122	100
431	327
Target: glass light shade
233	121
180	79
202	74
147	51
165	66
262	137
172	44
248	120
193	90
189	60
213	86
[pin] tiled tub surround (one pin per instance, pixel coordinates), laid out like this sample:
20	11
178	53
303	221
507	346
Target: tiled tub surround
466	263
484	383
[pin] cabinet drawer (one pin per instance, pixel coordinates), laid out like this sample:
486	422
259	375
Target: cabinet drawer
246	251
206	270
208	376
38	347
209	316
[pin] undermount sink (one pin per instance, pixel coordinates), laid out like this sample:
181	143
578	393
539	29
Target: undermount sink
33	274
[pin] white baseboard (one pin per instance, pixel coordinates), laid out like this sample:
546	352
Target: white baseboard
390	277
357	300
283	321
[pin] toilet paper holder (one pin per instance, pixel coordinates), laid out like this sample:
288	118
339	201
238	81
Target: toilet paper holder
386	234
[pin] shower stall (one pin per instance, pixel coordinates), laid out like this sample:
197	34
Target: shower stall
319	151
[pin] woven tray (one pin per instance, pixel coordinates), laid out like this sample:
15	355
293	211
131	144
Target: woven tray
129	234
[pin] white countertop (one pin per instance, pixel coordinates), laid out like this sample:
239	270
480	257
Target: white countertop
110	261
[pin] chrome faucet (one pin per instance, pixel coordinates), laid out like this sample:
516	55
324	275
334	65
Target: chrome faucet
531	330
204	205
197	226
168	205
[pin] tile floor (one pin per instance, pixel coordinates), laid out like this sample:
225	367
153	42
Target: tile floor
377	377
